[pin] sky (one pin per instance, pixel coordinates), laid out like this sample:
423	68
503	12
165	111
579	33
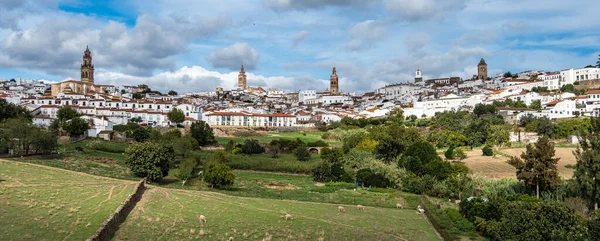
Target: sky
191	46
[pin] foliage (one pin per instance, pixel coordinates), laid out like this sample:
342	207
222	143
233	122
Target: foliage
331	169
19	136
230	145
203	133
487	150
149	159
449	154
536	105
460	185
172	92
186	169
587	169
389	149
498	135
537	166
251	146
571	89
128	129
183	146
483	109
302	153
285	145
368	178
9	110
218	175
459	154
76	126
421	158
141	134
367	145
176	116
575	126
107	146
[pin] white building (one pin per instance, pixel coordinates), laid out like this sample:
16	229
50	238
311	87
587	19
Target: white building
304	95
449	102
250	119
569	76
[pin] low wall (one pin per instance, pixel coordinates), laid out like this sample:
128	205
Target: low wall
445	235
110	226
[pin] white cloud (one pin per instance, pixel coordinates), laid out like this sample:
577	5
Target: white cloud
364	34
233	56
411	10
299	37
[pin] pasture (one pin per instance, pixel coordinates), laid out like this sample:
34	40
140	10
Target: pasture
497	168
41	203
169	214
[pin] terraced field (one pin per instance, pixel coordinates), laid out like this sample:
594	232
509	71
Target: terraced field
43	203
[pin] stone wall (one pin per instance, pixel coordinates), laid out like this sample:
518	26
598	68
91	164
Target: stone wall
110	226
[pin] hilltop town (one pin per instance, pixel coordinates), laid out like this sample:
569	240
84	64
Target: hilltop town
554	94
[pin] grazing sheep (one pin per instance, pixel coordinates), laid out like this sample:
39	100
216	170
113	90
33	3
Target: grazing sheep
230	239
360	207
202	219
399	206
341	209
288	217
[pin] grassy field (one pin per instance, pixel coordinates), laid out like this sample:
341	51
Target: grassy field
41	203
168	214
497	168
266	138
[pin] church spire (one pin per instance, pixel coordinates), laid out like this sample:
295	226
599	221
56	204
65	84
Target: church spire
242	79
87	68
334	82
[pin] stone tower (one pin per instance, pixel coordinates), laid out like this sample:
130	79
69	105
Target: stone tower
242	79
482	70
333	83
418	76
87	68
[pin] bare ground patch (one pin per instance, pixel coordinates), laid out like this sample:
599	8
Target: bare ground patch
279	185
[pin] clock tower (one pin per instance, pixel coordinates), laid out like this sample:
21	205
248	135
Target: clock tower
482	70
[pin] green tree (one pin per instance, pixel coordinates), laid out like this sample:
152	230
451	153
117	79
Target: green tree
141	134
186	169
252	146
230	145
64	115
545	127
172	92
537	166
218	175
587	169
149	159
203	133
76	126
449	154
459	154
302	153
483	109
396	116
498	135
176	116
9	110
19	136
536	105
185	145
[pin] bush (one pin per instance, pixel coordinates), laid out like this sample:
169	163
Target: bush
107	146
218	175
487	151
149	159
285	163
302	153
449	154
236	151
367	178
319	143
251	146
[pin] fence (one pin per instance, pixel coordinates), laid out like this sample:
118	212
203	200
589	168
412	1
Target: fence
110	226
445	235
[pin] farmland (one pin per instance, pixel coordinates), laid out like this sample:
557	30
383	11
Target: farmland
497	168
41	203
168	214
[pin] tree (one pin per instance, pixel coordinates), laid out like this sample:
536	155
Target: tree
185	145
76	126
176	116
459	154
203	133
172	92
598	62
449	154
218	175
230	145
537	167
536	105
186	169
545	127
302	153
587	169
141	134
507	74
251	146
64	115
10	110
483	109
498	135
149	159
487	150
19	136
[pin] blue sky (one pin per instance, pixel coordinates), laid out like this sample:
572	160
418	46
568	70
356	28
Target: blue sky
189	45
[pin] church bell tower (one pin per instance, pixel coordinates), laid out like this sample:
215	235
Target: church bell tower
333	82
87	68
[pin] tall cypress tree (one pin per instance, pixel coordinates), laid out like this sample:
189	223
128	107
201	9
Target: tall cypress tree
537	166
587	169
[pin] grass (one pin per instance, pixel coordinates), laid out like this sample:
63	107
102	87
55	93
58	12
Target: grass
40	203
168	214
304	136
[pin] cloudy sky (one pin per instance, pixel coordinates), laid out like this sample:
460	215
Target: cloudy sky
190	45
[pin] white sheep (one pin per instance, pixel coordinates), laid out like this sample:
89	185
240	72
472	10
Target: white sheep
230	239
360	207
399	206
341	209
288	217
202	219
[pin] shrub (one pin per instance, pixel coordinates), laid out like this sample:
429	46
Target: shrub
449	154
302	153
251	146
236	151
319	143
149	159
285	163
366	177
78	149
107	146
325	136
218	175
487	151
